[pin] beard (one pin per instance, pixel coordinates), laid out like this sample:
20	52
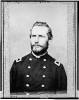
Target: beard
39	52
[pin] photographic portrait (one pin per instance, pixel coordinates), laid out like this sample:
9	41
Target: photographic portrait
25	48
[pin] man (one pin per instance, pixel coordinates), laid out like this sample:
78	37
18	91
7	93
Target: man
38	71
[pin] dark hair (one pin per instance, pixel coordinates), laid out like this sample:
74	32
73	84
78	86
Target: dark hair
50	36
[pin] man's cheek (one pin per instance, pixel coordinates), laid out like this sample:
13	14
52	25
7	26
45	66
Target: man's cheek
32	43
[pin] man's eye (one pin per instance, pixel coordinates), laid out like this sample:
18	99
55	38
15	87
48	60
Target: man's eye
33	35
41	36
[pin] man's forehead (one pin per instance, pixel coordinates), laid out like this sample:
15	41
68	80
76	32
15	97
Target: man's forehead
40	30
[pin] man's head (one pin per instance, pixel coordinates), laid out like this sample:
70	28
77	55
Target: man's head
40	35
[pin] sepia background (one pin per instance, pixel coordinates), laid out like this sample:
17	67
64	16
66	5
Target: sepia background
21	18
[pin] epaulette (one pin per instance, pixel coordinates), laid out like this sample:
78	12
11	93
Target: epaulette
57	63
19	59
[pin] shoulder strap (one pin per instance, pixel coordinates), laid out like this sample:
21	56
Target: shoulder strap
19	59
57	63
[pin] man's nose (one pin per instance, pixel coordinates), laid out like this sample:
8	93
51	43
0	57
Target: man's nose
37	39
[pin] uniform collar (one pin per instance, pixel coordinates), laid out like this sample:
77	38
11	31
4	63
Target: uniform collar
39	56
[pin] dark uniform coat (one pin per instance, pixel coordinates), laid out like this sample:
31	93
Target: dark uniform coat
31	74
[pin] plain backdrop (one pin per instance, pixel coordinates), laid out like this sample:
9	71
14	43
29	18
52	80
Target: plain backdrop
22	15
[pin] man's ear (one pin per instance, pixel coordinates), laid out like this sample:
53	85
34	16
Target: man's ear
49	41
30	33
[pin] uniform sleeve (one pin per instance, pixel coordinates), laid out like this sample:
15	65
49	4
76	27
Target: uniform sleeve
62	79
13	77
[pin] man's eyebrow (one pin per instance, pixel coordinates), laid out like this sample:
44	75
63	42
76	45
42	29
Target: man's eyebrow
33	35
41	35
38	35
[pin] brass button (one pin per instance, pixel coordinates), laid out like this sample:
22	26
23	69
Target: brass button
44	67
27	85
29	67
42	85
44	59
30	59
27	75
44	76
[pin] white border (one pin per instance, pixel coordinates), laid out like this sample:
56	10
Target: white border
1	92
71	57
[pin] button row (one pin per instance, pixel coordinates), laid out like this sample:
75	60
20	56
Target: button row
27	85
30	67
42	76
31	59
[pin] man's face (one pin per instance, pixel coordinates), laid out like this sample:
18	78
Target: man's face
39	39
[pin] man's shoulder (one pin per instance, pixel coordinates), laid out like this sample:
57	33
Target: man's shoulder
26	56
55	61
21	59
18	62
51	58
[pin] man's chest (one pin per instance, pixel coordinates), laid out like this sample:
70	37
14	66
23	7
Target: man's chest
38	70
36	75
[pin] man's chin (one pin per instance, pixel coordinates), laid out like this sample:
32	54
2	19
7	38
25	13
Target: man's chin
37	49
37	52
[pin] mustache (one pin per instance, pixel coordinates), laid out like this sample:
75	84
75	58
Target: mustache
37	45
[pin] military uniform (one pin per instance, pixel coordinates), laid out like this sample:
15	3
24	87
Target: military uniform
31	74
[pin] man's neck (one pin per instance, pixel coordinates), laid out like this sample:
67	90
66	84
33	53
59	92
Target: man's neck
39	55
